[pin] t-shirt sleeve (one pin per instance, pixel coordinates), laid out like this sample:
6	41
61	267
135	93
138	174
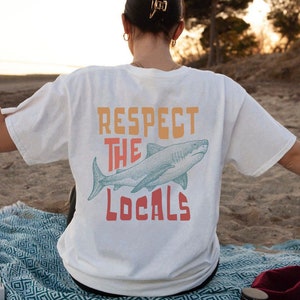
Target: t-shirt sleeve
258	141
39	125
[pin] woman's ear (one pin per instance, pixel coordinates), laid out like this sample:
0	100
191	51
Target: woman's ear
178	31
126	24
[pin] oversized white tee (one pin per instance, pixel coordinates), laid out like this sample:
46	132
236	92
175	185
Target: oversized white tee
146	149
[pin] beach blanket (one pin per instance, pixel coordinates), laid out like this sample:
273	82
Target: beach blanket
30	267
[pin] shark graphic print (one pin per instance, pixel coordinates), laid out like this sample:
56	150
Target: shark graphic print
161	166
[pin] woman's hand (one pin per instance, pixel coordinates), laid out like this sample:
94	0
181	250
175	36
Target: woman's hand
291	160
2	117
6	143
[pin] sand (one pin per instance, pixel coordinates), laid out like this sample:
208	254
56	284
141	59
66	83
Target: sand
260	211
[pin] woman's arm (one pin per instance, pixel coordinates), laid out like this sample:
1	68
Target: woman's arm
291	160
6	143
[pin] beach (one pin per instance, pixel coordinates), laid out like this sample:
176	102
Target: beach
260	211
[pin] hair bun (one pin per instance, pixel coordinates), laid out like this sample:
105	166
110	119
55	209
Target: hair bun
155	16
158	5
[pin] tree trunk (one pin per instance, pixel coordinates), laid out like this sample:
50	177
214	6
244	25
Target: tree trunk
212	34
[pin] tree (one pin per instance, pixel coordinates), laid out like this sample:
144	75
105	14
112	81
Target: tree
213	14
284	15
197	9
233	38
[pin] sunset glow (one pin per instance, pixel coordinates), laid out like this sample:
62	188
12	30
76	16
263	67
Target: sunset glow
257	17
59	36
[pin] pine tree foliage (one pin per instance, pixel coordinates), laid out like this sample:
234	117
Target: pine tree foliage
285	17
226	35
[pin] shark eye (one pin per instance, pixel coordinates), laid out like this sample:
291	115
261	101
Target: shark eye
195	145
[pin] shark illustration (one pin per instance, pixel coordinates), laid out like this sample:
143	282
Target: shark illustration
162	165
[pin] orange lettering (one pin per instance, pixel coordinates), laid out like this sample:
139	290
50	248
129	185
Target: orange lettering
178	131
134	129
163	132
118	128
148	115
104	120
192	111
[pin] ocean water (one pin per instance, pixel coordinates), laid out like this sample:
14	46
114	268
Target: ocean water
23	68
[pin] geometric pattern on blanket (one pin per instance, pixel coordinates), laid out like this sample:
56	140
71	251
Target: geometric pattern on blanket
30	267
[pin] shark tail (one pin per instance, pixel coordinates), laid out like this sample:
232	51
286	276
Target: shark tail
98	180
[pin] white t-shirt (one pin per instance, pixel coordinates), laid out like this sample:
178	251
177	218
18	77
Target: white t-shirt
147	149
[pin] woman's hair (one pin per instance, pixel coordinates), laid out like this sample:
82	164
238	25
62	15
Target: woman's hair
153	15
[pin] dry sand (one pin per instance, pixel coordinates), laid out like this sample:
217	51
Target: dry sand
261	211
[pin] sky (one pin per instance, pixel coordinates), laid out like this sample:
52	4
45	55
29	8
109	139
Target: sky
58	36
257	14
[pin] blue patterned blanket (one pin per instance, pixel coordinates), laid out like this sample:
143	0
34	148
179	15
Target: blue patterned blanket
30	267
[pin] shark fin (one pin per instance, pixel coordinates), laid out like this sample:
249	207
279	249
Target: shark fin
182	180
117	186
97	183
153	149
148	180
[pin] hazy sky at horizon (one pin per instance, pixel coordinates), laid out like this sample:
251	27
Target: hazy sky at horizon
57	36
62	33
